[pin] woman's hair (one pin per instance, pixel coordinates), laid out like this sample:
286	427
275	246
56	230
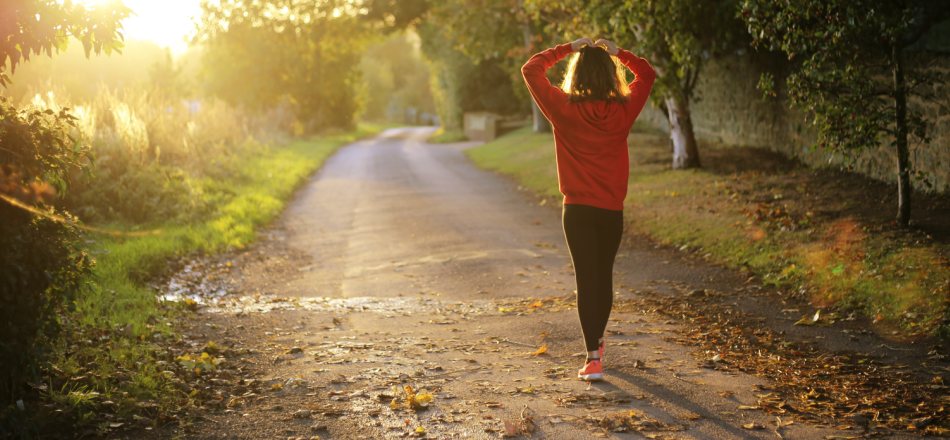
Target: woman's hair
594	75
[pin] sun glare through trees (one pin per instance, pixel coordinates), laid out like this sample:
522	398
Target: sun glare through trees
385	219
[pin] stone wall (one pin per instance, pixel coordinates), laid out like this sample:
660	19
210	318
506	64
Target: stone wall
731	111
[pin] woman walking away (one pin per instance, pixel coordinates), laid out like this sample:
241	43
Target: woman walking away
592	113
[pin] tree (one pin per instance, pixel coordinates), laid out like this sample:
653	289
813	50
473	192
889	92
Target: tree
29	27
467	44
854	76
494	30
676	36
389	15
42	267
460	85
258	52
395	78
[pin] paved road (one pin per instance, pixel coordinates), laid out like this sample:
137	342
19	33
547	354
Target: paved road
387	207
414	257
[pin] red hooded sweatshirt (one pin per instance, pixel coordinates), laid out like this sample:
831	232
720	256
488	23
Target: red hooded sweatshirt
590	137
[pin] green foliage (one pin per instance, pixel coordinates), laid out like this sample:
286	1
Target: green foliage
42	268
460	85
79	80
398	14
148	162
395	77
475	49
487	29
676	36
259	52
441	136
487	86
36	147
845	50
38	27
853	76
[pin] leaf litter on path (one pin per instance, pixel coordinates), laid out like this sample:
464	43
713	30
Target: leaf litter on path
807	384
369	392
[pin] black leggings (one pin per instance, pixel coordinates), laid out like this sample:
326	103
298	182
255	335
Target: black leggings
593	237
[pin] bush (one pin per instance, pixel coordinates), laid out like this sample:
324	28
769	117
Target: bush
153	151
41	266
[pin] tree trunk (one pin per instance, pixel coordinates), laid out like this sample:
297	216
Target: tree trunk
903	153
541	123
685	152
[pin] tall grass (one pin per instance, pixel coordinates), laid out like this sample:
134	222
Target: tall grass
153	149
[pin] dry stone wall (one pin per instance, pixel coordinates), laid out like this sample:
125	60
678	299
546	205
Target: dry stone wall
731	111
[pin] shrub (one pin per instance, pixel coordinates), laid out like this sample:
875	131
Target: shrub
152	150
41	266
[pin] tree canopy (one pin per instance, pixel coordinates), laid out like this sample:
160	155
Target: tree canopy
29	27
259	52
853	75
676	36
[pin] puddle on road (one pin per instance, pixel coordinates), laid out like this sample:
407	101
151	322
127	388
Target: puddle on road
444	257
389	307
208	283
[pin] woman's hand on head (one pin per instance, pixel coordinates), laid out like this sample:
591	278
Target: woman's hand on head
611	47
577	44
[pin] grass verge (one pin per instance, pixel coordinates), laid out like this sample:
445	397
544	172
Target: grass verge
110	368
446	137
821	234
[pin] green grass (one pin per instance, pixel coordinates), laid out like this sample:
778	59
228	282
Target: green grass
834	261
260	185
446	137
256	192
524	155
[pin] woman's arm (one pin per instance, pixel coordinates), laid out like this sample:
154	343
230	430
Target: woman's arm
546	95
645	75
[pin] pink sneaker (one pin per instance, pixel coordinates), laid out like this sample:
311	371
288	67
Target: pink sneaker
592	371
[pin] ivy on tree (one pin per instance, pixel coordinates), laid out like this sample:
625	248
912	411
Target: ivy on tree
854	74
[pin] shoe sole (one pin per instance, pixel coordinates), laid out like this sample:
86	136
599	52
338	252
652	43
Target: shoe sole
591	377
